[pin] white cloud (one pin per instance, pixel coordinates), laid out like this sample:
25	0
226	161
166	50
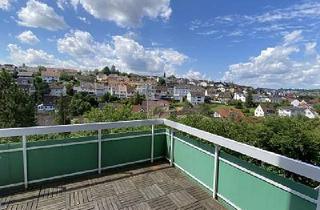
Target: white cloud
292	37
62	3
28	37
84	20
311	48
126	13
35	57
277	67
195	75
40	15
124	52
273	22
5	4
29	56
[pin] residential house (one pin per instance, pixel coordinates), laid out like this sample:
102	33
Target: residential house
25	81
239	97
195	97
45	108
153	107
161	92
102	77
96	89
131	90
229	113
85	87
277	99
212	93
8	67
220	86
180	91
101	89
262	111
295	103
203	84
57	90
257	98
297	111
118	89
50	75
224	97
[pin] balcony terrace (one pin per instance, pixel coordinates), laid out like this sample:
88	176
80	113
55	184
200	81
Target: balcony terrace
169	166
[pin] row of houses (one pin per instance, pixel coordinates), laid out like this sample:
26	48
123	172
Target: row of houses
292	111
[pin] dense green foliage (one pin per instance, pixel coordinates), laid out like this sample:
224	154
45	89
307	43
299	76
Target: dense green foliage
17	108
113	113
66	77
137	99
298	138
63	114
42	88
81	103
249	100
107	98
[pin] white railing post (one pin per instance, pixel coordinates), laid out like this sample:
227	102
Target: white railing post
152	143
99	151
318	201
25	161
171	148
216	170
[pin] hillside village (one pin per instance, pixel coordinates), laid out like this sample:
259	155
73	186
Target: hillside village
160	96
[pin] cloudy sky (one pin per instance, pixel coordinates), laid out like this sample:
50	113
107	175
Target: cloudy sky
265	43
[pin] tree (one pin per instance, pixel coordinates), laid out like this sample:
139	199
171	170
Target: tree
249	100
161	81
137	99
81	103
17	109
113	113
69	89
113	69
317	108
63	115
106	70
64	76
42	88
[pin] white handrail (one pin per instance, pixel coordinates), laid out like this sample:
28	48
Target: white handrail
37	130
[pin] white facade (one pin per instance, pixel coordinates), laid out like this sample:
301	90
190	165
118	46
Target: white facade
258	112
180	92
50	79
57	92
239	97
216	115
295	103
195	98
290	112
203	84
284	112
310	114
45	108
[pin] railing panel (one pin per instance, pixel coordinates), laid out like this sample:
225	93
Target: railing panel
238	187
55	160
11	168
134	149
198	163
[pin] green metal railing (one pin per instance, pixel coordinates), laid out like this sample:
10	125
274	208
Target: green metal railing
235	182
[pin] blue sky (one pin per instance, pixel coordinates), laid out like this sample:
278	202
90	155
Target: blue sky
265	43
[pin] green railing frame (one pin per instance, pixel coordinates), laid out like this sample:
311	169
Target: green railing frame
237	183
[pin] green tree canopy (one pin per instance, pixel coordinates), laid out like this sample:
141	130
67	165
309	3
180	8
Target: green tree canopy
42	88
17	109
63	115
81	103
